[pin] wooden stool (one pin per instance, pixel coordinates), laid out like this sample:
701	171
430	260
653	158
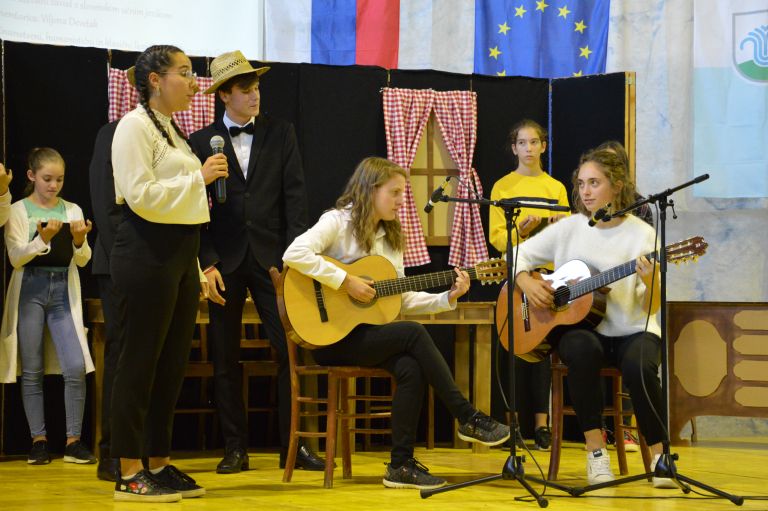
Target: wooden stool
616	410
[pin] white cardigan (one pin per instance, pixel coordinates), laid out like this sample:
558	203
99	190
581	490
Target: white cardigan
20	252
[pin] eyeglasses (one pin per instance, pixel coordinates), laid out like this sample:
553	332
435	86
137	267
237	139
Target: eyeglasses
188	74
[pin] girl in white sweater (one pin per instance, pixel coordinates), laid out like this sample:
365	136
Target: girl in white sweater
622	338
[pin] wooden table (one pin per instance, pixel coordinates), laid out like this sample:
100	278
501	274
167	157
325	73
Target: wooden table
479	315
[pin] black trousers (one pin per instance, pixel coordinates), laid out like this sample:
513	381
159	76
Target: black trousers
536	377
637	356
406	351
154	269
224	346
110	306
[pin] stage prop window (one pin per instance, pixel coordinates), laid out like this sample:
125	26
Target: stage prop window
406	113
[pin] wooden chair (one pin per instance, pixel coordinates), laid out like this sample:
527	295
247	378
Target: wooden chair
338	407
559	372
201	367
259	360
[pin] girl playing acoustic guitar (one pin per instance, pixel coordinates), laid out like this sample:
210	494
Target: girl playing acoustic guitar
365	222
622	338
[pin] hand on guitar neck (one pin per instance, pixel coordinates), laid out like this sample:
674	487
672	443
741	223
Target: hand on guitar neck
460	286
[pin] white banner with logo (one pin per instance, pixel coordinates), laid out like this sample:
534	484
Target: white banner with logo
730	97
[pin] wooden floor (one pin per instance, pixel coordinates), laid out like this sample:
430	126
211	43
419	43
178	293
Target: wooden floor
736	466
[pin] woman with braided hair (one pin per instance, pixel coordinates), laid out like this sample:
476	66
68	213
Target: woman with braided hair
160	184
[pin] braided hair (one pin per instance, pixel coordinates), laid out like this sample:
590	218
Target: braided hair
155	59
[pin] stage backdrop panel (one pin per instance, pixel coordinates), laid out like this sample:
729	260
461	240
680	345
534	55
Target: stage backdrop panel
586	112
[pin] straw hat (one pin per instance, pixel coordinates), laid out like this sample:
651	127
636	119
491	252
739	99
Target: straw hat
229	65
130	73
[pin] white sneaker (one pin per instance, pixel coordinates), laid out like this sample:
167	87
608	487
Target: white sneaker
661	482
599	467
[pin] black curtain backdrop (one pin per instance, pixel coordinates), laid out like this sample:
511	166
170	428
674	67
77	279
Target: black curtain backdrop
57	96
585	113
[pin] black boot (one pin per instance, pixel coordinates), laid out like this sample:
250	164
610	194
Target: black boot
305	458
234	461
108	469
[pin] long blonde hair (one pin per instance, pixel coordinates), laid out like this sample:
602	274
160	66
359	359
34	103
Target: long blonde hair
370	174
613	168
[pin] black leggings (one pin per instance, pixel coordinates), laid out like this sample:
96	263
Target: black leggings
636	355
405	350
536	378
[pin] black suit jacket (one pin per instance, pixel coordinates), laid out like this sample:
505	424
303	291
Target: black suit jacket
106	214
264	212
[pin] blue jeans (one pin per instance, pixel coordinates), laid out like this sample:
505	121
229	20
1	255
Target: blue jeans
44	300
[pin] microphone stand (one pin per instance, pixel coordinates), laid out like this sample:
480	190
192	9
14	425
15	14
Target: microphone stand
665	467
513	467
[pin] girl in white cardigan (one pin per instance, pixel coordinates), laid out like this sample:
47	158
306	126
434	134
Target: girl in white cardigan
46	240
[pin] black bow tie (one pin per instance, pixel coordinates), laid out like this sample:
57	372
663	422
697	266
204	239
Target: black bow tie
236	130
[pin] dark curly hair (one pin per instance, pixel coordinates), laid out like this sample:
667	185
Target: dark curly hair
613	168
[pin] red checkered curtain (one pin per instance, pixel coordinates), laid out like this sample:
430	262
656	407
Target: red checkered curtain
406	113
123	98
456	113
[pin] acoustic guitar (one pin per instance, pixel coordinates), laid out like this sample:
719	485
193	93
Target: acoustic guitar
322	316
577	299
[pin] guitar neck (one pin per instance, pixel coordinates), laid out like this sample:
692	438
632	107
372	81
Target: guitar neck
419	282
606	277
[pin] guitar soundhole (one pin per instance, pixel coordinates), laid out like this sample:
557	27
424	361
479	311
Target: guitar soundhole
562	297
358	303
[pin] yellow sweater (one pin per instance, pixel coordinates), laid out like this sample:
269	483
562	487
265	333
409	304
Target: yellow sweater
516	185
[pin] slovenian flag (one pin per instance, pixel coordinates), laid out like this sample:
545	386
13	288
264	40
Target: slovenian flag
730	98
496	37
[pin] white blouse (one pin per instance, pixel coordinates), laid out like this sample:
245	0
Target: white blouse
160	183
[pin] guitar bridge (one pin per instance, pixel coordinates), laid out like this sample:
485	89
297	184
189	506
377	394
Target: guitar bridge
320	302
524	312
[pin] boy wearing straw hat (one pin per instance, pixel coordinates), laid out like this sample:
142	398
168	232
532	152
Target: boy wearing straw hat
265	208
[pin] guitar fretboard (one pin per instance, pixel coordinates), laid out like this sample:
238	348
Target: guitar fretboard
419	282
602	279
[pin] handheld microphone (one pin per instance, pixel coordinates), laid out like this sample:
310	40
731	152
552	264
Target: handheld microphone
599	215
220	185
436	195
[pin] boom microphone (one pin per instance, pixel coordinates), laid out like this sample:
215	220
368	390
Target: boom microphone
599	215
436	195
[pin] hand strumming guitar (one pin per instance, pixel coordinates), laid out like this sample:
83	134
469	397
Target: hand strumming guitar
539	292
358	288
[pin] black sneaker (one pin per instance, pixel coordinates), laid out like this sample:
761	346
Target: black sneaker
76	452
411	475
543	438
483	429
143	487
173	478
38	455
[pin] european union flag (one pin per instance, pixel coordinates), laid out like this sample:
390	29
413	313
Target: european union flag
534	38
